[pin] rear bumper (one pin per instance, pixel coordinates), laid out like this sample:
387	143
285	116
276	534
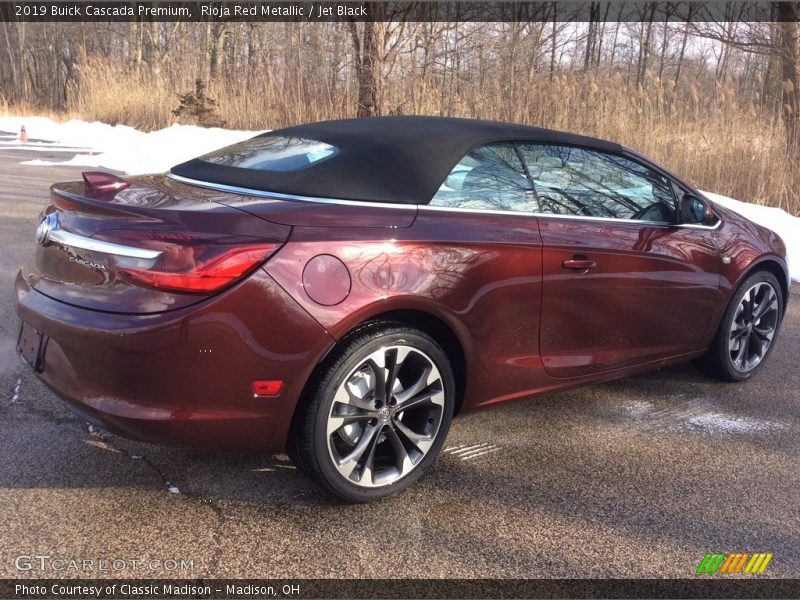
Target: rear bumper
182	377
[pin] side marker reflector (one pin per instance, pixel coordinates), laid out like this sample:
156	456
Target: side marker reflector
270	387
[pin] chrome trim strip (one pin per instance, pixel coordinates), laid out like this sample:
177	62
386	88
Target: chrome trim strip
608	220
550	216
632	221
279	196
426	207
573	217
65	238
699	226
478	211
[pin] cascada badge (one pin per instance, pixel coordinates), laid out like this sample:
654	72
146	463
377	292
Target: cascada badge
731	563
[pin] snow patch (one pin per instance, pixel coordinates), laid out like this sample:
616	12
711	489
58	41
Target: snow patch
94	431
118	147
40	147
638	409
694	415
719	423
94	136
15	397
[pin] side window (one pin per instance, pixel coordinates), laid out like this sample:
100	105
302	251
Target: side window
576	181
492	178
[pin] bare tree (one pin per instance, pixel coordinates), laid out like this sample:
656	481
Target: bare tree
216	43
788	13
368	39
648	15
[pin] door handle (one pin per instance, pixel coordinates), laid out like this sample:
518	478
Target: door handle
579	263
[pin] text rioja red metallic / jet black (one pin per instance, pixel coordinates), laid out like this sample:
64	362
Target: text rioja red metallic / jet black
341	290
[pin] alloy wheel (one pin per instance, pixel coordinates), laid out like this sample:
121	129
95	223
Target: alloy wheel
385	416
753	327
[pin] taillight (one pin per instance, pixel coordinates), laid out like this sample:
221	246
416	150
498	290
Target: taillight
64	204
189	262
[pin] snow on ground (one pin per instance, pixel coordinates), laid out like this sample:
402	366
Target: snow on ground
694	414
131	151
777	219
117	146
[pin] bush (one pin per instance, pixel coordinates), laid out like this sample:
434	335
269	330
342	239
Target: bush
199	107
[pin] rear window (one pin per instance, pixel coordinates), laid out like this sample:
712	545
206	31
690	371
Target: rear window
272	153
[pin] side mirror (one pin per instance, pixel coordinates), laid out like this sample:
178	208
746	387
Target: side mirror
696	210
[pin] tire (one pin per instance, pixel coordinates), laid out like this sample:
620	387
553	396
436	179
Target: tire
747	331
362	440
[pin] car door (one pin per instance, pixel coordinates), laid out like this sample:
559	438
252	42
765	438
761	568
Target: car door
622	283
484	211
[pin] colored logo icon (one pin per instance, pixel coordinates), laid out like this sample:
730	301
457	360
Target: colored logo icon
733	563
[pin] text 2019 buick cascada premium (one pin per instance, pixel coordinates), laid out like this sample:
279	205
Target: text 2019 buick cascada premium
341	290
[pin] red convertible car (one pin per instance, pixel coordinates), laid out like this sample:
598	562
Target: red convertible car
341	290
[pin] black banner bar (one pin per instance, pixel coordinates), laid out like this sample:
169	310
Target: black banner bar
390	10
155	589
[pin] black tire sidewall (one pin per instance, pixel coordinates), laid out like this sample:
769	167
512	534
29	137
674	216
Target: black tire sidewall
353	355
723	345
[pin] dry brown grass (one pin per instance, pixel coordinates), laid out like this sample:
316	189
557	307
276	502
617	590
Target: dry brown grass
714	138
112	95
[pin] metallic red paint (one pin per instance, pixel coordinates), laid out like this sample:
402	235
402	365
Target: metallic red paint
493	288
612	314
326	280
103	182
184	376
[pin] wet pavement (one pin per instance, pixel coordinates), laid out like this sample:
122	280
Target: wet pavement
635	478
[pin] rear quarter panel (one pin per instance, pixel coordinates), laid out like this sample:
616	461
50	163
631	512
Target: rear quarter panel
479	274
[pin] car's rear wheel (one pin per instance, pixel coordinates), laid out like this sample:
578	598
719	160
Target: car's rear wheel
748	329
378	414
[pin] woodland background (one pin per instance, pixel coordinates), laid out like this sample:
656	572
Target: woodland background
716	102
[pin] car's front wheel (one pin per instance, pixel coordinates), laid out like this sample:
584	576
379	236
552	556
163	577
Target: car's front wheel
747	332
378	414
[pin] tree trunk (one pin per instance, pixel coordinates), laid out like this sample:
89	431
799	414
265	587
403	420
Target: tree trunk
369	65
252	47
644	47
370	72
154	49
682	53
664	46
535	43
135	43
512	65
616	36
216	50
602	38
12	56
788	13
553	42
24	66
591	35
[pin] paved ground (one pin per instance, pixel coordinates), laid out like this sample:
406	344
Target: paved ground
638	477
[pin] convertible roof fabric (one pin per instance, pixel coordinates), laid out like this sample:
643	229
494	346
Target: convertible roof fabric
399	159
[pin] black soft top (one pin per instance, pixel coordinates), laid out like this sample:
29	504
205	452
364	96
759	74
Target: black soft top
399	159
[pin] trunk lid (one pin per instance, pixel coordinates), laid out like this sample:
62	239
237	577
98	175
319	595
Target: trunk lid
299	211
152	246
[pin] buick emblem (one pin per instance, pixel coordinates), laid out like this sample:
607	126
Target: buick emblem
47	224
